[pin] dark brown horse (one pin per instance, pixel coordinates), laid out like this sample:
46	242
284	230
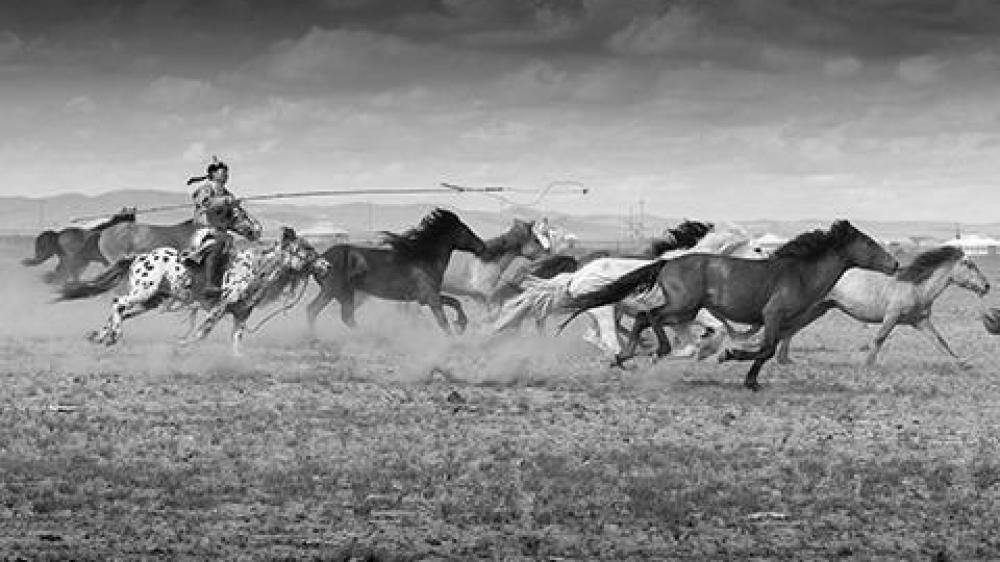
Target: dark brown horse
409	269
776	292
75	248
135	238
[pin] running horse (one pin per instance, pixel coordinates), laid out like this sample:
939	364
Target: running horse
131	238
409	269
778	292
75	248
481	277
904	298
543	297
253	277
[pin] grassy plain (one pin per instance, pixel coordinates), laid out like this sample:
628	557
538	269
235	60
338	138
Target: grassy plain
394	443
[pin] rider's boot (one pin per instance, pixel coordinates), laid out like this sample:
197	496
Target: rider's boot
210	266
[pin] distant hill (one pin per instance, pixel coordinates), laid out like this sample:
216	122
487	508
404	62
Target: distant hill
24	215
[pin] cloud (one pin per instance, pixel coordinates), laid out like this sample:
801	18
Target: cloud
677	29
353	59
10	45
842	67
171	91
195	152
921	70
80	105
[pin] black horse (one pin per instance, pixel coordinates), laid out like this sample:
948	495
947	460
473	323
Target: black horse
75	248
409	269
777	292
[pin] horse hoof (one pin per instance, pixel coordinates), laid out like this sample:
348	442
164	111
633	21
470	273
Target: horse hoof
754	386
620	363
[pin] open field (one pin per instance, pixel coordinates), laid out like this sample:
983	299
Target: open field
393	442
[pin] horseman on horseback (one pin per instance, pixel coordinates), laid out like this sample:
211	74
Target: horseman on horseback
211	244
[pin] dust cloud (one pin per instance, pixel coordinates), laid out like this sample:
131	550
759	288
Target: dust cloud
393	342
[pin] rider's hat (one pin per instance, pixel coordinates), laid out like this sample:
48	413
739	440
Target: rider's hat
215	165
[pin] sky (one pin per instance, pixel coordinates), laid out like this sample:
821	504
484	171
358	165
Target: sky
722	109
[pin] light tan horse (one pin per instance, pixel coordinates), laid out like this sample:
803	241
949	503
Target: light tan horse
903	298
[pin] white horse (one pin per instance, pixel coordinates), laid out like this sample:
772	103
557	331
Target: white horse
903	298
481	277
253	276
544	297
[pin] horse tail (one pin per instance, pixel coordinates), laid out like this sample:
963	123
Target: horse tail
46	246
100	284
545	296
637	281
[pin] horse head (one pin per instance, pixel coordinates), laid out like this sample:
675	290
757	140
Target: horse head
860	250
235	218
966	274
538	239
463	238
299	255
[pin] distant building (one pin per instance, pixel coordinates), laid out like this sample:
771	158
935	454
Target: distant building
770	241
976	244
327	232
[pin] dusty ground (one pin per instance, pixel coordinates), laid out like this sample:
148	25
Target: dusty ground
395	443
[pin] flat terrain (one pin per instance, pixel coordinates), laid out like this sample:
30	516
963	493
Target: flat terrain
393	442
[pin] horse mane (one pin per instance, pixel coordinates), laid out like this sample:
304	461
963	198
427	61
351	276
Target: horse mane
508	242
119	217
811	245
683	236
926	263
550	266
424	239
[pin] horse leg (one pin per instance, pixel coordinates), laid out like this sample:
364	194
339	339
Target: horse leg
773	316
239	329
434	302
797	326
214	315
926	327
642	321
461	320
606	336
888	323
315	307
122	308
192	317
751	380
512	316
347	308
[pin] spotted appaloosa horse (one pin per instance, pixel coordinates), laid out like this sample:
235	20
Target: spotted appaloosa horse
253	276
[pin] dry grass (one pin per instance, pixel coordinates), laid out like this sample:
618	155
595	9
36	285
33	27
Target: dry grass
394	443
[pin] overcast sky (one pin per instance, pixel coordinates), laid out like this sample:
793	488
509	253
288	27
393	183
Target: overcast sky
724	109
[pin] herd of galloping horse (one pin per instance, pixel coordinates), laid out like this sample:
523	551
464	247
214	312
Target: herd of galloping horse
710	284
